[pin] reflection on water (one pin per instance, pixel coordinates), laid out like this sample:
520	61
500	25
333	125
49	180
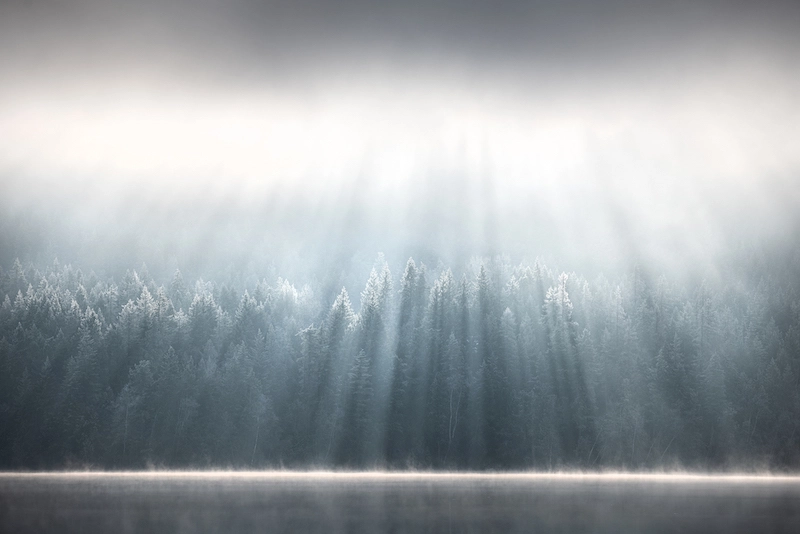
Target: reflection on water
324	502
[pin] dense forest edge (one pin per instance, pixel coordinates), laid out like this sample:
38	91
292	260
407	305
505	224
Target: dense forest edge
505	367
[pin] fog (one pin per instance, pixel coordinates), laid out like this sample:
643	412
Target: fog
597	137
285	150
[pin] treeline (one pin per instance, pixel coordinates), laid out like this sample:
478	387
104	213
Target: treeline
508	367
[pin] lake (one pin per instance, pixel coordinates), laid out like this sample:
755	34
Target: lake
408	502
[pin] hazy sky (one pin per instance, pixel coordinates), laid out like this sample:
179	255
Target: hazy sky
588	131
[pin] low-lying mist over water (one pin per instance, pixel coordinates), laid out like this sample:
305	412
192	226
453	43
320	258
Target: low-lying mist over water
445	235
374	502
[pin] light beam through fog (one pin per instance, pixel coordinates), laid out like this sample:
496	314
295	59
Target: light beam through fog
643	168
664	129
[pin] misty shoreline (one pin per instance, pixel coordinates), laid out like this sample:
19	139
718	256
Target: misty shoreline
676	476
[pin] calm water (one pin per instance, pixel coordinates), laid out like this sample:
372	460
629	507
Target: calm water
264	502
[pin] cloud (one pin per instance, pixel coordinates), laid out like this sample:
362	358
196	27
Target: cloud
589	130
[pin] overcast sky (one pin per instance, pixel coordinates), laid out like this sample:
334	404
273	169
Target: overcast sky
636	125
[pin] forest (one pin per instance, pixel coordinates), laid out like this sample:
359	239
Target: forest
503	366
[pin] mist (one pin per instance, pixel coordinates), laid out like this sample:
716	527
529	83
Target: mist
264	166
595	137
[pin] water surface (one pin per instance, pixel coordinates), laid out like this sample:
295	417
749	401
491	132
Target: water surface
378	502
